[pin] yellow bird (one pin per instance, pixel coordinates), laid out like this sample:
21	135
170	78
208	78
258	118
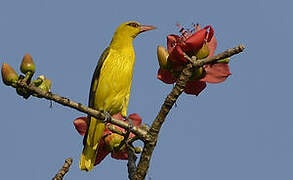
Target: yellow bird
110	87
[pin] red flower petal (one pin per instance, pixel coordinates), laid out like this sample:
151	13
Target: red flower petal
118	116
102	152
166	76
197	27
172	40
216	73
210	33
194	42
122	155
177	55
136	119
80	125
115	116
212	45
194	87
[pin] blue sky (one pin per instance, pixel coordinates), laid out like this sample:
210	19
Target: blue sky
240	129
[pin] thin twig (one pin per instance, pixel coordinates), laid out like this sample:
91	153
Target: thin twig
141	133
114	130
131	165
213	59
152	135
126	135
63	170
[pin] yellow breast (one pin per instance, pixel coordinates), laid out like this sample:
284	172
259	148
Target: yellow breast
115	81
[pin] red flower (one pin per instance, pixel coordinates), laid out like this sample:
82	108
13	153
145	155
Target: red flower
109	139
201	43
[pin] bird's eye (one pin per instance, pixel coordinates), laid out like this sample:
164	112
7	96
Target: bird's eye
133	24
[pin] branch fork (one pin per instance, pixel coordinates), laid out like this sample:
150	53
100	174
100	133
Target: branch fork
148	135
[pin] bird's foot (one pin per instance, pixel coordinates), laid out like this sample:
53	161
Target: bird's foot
108	117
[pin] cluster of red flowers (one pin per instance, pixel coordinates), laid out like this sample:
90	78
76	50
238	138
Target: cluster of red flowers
200	43
109	139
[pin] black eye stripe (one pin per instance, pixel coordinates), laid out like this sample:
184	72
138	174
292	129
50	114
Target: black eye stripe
133	25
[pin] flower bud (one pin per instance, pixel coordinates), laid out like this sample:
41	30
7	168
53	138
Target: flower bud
46	84
27	64
42	77
203	52
80	125
37	82
197	74
9	76
138	149
162	54
113	141
226	60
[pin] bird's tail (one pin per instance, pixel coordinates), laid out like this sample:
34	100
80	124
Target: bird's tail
91	142
88	158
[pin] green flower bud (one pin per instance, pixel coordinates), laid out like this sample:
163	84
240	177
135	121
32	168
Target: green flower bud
42	77
203	52
9	76
197	74
46	84
38	81
226	60
162	55
113	141
138	149
27	64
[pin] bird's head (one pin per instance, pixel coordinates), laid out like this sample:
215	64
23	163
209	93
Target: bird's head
132	29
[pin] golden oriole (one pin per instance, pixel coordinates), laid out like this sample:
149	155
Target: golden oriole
110	87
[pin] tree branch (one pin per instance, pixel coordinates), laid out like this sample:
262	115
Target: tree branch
226	54
140	132
149	136
131	165
152	135
63	170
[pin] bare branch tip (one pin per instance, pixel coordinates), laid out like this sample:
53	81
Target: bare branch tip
64	169
69	161
241	47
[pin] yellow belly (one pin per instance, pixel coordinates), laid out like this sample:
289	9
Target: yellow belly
115	82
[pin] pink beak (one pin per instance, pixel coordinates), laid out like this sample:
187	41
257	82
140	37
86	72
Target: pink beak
144	28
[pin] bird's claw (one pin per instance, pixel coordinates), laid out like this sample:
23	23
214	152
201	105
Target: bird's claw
108	117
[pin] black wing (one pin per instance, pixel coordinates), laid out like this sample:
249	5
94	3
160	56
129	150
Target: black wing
94	85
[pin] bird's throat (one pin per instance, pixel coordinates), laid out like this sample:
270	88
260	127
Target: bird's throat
121	42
